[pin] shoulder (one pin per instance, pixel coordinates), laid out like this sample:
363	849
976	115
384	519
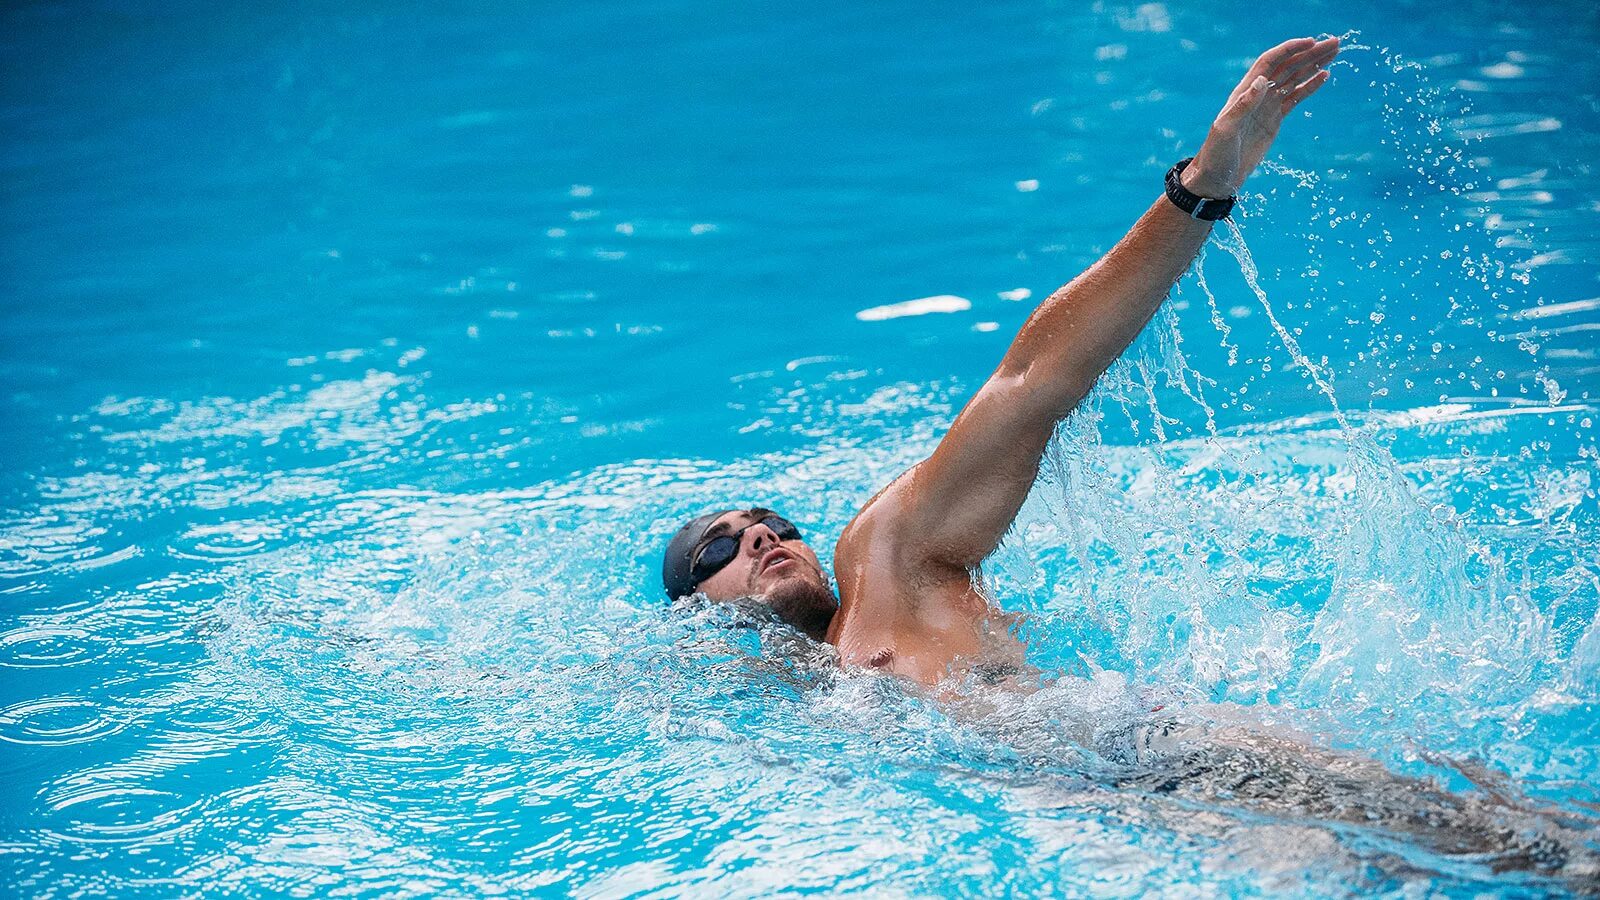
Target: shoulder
901	526
877	525
887	539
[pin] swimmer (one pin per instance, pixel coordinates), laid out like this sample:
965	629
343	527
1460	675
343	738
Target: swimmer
908	599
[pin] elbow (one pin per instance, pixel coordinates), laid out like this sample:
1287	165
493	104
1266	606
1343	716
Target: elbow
1044	389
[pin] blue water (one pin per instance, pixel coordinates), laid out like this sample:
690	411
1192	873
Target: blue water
356	363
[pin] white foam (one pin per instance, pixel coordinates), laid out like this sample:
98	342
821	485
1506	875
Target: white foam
940	303
1557	309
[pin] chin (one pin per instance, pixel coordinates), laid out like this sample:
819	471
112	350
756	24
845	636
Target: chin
807	605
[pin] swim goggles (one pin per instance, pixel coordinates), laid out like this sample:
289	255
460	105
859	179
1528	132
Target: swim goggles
721	550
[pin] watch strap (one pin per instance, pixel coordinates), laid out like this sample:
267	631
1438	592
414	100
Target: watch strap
1194	206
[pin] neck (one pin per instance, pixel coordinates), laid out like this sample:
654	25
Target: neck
816	624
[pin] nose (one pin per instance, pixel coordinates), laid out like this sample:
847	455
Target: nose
759	539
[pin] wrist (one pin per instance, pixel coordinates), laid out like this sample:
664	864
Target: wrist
1197	180
1195	196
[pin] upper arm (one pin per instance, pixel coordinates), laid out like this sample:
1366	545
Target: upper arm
954	507
958	503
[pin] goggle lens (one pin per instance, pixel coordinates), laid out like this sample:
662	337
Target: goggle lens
720	551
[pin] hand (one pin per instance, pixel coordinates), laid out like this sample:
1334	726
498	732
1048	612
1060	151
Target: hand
1248	123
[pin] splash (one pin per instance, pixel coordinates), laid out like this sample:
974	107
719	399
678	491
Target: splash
1232	241
355	656
1302	565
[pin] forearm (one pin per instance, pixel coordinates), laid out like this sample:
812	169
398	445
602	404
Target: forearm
963	497
1073	336
1085	325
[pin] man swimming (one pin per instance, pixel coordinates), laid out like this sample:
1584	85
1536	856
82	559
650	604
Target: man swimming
908	600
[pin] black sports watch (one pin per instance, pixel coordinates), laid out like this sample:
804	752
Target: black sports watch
1192	204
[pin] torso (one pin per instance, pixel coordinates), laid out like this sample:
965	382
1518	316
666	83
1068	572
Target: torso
901	615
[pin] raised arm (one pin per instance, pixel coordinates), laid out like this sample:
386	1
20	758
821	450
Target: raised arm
955	506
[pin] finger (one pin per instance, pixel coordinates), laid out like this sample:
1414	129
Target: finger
1309	59
1306	89
1296	78
1294	68
1301	70
1264	65
1267	62
1324	53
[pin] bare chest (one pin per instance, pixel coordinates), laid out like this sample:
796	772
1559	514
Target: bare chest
924	626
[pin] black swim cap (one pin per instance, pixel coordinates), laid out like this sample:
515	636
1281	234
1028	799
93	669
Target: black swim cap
675	568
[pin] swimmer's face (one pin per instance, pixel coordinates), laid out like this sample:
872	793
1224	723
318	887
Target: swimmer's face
784	575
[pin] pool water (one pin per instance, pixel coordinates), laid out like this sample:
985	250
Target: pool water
357	361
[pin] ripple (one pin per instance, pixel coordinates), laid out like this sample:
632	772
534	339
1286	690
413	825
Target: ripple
1505	69
1558	309
211	723
55	722
101	560
226	541
108	813
1495	125
44	544
40	646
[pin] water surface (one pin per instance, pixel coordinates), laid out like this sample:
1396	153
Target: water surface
356	361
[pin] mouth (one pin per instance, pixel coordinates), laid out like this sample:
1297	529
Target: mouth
775	558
